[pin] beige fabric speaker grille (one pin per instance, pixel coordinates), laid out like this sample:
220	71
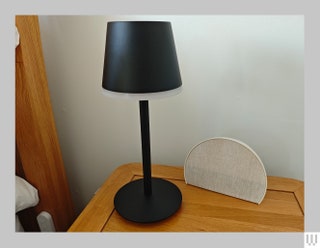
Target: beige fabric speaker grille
227	166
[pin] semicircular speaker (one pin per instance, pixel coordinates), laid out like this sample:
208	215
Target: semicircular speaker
227	166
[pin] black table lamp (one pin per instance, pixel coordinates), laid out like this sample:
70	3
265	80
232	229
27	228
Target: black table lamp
141	62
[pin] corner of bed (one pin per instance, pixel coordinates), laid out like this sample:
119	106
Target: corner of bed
38	155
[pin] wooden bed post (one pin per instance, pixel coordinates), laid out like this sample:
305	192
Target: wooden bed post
36	136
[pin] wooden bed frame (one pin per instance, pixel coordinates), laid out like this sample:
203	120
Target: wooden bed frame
38	155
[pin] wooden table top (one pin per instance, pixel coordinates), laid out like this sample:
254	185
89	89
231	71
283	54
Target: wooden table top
282	209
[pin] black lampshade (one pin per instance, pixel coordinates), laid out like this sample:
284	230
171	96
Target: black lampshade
140	58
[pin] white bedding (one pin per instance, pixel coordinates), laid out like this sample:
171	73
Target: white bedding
26	196
17	40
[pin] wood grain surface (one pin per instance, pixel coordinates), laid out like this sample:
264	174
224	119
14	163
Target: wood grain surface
282	209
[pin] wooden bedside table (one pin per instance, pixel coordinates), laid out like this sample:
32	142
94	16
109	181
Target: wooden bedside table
282	209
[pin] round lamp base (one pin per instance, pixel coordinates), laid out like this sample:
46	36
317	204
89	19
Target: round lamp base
132	204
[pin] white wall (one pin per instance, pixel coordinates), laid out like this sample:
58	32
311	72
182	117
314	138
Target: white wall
243	77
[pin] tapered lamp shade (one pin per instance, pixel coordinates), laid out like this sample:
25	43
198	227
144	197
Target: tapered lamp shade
140	58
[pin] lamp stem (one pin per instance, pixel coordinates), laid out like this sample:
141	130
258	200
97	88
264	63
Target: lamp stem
145	142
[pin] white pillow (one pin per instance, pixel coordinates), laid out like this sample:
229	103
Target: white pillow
26	194
17	41
19	227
